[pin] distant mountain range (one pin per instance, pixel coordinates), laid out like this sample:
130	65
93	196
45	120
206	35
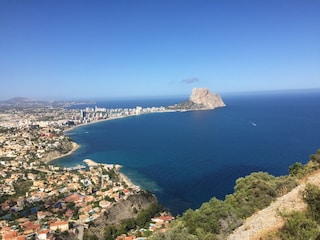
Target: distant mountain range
28	102
18	100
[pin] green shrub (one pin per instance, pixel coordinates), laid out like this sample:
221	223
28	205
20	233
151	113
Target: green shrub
311	196
299	227
295	169
257	191
177	232
207	219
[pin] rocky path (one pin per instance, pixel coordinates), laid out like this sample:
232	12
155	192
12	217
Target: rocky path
268	219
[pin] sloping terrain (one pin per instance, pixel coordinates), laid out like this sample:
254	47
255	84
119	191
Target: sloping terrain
268	219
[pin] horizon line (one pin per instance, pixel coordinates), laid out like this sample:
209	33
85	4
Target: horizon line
158	96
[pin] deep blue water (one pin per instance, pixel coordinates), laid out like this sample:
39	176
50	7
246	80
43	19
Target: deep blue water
187	158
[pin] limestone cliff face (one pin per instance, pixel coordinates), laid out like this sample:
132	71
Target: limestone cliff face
200	99
202	96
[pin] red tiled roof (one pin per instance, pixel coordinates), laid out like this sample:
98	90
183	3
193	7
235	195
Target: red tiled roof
165	218
69	213
58	223
30	226
74	197
22	237
43	231
130	238
9	234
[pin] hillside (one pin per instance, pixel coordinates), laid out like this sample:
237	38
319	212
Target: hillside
268	219
124	216
262	207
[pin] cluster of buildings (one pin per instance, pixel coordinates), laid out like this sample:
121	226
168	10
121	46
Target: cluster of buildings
43	199
33	142
93	114
38	200
26	117
33	133
50	116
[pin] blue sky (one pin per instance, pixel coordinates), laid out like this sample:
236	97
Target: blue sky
57	49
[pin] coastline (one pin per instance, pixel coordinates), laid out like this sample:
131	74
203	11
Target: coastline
50	158
126	179
120	117
53	156
75	146
90	162
122	176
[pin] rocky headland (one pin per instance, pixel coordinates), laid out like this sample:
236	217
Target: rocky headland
200	99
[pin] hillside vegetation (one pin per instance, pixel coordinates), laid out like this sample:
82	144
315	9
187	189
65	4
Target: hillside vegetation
279	207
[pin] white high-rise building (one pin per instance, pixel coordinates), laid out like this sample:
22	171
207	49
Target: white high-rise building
82	114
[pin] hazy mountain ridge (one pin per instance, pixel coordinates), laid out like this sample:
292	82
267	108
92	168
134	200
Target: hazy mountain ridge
29	102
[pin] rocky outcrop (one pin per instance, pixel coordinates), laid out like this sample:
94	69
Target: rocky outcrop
200	99
204	97
126	209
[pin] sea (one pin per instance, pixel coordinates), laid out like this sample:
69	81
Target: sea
186	158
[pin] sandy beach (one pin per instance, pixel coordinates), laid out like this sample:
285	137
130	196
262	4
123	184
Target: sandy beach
93	122
114	118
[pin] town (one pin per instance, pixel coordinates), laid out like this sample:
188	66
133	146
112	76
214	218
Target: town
42	201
